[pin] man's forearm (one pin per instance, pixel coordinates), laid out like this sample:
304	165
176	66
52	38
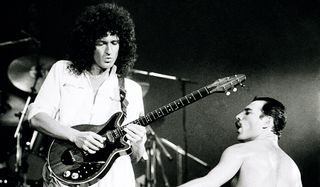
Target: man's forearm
137	152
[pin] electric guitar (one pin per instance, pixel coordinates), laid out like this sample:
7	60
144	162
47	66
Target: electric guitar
74	166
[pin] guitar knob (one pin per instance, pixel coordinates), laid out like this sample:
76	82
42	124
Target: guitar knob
234	89
66	174
75	176
228	93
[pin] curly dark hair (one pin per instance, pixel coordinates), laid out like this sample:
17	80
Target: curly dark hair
93	24
276	110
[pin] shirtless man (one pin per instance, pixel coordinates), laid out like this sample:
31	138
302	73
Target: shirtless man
257	161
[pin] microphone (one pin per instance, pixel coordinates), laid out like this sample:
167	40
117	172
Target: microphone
164	76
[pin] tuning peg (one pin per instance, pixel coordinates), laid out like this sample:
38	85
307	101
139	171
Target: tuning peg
235	89
228	93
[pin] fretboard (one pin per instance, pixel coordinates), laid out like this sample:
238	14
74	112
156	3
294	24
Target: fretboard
172	107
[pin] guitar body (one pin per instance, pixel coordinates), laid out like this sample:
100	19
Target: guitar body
73	166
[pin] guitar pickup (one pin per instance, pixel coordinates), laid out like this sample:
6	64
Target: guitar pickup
110	137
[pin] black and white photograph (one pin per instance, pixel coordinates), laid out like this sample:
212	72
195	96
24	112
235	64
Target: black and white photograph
160	93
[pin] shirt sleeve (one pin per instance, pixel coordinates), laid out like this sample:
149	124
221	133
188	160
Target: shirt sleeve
48	97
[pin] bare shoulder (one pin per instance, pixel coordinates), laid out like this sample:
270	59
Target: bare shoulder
247	150
244	147
240	149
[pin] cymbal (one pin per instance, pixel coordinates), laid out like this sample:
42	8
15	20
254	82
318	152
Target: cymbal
10	107
27	71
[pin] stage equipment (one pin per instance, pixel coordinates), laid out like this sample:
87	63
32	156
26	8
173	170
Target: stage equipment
10	109
16	41
153	159
160	75
180	153
27	73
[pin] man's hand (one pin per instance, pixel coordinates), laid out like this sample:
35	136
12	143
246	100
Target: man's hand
136	134
89	141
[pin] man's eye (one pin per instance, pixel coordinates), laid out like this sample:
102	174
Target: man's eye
115	42
99	43
247	113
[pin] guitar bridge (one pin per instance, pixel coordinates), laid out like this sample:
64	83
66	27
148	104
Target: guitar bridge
68	157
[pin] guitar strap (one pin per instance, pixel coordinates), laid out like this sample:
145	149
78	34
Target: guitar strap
123	92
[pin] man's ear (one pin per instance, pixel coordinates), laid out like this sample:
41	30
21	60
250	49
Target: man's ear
267	122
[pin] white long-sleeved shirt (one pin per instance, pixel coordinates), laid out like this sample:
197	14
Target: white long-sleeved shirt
70	99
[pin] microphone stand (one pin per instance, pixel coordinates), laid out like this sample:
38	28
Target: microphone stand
183	82
16	42
154	158
28	39
180	152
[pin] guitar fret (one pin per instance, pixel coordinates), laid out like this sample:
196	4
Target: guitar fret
181	102
145	120
166	109
171	106
162	111
176	105
120	132
190	98
141	121
153	116
197	96
159	114
148	118
193	96
115	133
206	89
187	99
137	122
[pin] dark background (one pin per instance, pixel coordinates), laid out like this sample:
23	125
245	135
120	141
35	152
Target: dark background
276	44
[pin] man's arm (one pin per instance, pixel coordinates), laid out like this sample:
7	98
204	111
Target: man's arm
227	167
89	141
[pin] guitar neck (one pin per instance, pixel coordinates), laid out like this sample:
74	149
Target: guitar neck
219	86
172	107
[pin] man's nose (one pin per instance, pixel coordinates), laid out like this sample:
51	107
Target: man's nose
238	117
107	49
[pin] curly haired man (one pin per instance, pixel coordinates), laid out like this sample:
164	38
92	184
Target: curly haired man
85	89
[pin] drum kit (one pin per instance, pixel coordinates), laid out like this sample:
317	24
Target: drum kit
24	157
